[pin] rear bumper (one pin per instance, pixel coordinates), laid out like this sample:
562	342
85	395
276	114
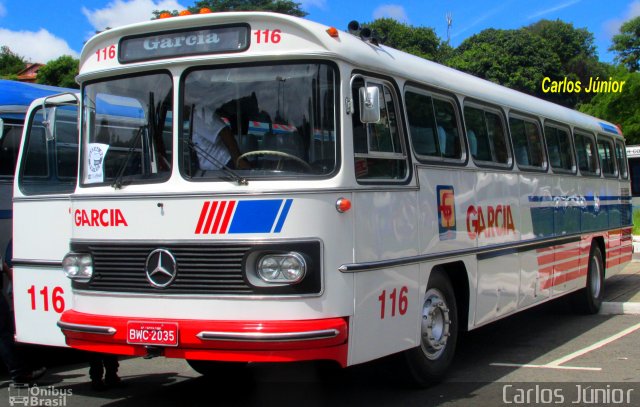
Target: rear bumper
239	341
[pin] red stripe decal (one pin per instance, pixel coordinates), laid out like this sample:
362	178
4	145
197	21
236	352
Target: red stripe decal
210	217
227	217
203	214
223	204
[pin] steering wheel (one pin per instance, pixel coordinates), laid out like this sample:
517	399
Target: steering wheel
277	154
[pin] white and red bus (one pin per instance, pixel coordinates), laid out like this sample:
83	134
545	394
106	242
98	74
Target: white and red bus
379	204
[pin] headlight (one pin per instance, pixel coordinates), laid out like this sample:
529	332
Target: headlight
78	266
287	268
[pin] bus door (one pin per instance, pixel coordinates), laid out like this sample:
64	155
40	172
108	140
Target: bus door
47	174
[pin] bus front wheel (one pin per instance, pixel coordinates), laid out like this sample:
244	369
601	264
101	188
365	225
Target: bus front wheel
428	363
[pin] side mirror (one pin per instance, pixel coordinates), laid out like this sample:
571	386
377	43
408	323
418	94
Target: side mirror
1	129
370	104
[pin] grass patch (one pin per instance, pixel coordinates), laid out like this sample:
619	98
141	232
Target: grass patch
636	222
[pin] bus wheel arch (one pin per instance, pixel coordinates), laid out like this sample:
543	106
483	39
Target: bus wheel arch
444	303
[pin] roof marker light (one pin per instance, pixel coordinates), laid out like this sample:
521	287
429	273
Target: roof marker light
333	32
205	10
165	15
184	13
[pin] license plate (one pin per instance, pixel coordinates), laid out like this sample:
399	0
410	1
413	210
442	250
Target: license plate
152	333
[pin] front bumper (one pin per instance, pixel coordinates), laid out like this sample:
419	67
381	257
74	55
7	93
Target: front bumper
237	341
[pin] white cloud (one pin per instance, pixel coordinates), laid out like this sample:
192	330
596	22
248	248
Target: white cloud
391	11
40	46
553	9
612	27
122	12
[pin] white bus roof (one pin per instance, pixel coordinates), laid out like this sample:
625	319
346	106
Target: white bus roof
304	38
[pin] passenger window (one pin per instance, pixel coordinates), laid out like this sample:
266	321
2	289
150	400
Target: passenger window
422	124
447	125
378	147
486	134
527	143
587	155
433	126
559	147
607	158
622	160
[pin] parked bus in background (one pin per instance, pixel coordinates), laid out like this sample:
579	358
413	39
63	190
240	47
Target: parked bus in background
47	168
633	154
15	98
371	202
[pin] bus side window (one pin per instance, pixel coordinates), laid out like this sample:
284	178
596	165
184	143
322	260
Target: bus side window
607	158
449	138
51	167
378	147
422	124
487	138
622	160
587	154
527	143
559	146
477	134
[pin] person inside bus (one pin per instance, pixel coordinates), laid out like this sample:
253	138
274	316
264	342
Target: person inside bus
215	145
12	357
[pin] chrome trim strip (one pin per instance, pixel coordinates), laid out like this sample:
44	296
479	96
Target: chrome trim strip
36	263
267	337
483	253
89	329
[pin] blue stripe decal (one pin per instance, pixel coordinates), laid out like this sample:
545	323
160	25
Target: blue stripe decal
552	221
6	214
575	198
609	128
283	215
255	216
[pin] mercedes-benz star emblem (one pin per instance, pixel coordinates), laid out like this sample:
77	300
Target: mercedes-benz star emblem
161	268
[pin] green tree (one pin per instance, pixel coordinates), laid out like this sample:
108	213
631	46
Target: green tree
518	59
60	72
576	51
10	63
420	41
621	108
278	6
627	45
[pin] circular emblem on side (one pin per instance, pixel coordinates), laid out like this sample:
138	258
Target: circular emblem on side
161	268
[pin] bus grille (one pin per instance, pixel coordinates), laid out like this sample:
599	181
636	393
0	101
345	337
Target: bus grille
207	268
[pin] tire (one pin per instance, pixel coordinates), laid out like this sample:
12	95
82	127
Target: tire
214	369
428	363
589	299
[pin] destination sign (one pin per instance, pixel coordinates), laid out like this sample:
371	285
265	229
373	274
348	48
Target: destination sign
184	43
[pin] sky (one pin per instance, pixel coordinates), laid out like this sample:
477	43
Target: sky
42	30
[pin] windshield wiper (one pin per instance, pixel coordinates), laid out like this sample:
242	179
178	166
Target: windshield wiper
204	154
117	183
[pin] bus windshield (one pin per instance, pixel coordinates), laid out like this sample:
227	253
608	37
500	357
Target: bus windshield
127	130
261	121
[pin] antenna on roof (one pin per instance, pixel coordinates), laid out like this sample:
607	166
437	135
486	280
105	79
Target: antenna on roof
449	18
